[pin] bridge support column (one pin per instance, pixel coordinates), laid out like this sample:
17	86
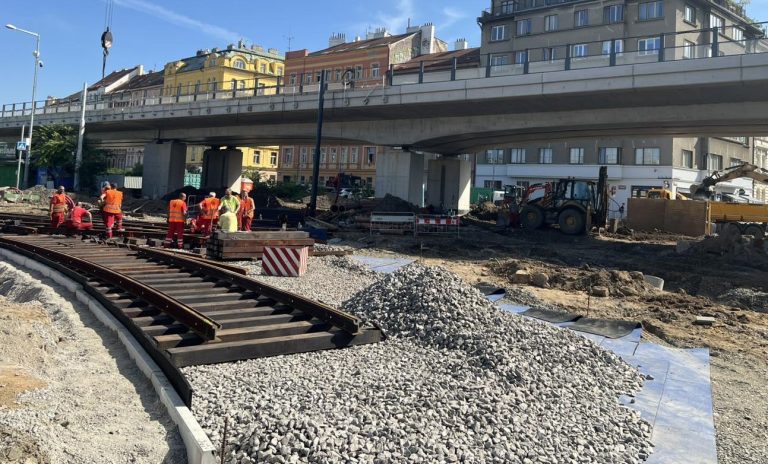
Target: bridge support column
222	169
401	174
448	183
163	168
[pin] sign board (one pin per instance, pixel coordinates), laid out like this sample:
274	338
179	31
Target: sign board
21	146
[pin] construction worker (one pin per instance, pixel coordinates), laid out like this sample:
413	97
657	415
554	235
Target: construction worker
246	212
209	210
177	216
58	208
119	216
112	201
79	219
228	220
230	201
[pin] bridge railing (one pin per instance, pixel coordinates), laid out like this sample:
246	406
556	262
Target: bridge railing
685	45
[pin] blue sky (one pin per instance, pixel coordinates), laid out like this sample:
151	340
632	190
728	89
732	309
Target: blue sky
153	32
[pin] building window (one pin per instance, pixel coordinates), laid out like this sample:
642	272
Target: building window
613	14
498	33
517	155
717	22
344	155
263	68
257	157
286	179
651	10
648	156
608	155
358	72
371	155
736	162
494	156
577	156
302	180
579	51
689	50
507	7
550	23
375	72
545	155
549	54
521	57
690	15
194	156
242	85
499	60
737	34
239	64
213	62
334	154
308	78
617	44
354	155
581	18
323	155
492	184
649	46
292	79
369	180
523	27
288	156
714	162
303	156
273	158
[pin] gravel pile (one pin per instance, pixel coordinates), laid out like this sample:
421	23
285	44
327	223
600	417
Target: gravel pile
328	248
458	381
745	298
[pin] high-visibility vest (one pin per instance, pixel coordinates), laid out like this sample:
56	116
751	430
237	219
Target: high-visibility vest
113	201
77	215
176	210
209	207
59	203
247	207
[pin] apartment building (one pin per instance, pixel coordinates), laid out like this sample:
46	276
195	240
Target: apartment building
352	159
541	35
761	159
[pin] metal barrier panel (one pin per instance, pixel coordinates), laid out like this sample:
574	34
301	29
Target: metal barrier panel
392	222
437	225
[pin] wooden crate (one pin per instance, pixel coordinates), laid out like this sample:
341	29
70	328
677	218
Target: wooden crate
250	245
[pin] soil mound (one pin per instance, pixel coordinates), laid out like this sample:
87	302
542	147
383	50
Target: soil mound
618	283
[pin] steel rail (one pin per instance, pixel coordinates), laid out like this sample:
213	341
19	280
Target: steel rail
202	325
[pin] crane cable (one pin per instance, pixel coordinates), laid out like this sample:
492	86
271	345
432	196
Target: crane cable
106	36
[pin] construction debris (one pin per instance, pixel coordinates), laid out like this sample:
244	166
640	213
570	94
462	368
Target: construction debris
250	245
704	320
746	299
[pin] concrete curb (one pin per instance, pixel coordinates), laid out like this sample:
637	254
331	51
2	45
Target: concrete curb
199	448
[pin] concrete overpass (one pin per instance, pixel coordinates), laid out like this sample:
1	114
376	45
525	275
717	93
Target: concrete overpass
724	96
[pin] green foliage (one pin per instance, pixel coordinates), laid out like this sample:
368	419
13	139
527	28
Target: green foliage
253	174
55	147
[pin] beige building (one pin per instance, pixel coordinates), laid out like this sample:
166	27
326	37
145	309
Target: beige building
761	159
555	35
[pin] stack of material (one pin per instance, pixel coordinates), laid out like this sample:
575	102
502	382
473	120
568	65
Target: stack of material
244	245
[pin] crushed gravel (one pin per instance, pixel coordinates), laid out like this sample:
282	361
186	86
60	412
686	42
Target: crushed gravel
458	381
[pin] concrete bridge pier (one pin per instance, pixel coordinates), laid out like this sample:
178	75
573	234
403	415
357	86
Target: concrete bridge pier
402	174
449	181
164	164
222	169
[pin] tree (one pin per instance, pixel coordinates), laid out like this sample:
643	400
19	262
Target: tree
55	148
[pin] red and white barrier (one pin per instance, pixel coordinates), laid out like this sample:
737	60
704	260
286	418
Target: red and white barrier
437	225
439	221
284	262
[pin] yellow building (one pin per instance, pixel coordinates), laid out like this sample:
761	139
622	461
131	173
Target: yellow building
262	159
236	69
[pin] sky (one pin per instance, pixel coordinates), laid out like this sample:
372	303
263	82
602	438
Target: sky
154	32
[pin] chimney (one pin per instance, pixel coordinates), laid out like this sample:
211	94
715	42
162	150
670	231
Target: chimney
461	44
427	39
379	33
337	39
273	51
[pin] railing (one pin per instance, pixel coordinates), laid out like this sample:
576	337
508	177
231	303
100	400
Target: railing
688	45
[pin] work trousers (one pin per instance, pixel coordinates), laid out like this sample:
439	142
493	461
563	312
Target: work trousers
175	229
57	219
109	223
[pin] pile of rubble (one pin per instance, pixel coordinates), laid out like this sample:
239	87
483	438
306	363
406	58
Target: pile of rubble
603	282
486	211
457	381
746	299
729	242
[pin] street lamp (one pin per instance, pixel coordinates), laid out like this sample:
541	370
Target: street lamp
38	64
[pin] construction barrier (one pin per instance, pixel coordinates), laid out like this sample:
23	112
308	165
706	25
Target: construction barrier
284	262
394	223
430	224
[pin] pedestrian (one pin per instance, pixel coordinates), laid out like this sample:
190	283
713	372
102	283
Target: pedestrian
112	202
209	209
228	220
230	201
621	211
79	219
119	216
58	208
177	216
246	213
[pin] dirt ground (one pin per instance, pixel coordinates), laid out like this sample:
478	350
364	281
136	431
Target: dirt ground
738	340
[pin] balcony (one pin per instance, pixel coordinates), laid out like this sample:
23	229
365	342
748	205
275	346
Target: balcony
509	8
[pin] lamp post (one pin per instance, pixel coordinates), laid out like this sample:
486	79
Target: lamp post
38	64
316	161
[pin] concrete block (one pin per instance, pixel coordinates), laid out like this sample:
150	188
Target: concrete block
601	292
704	320
521	277
655	282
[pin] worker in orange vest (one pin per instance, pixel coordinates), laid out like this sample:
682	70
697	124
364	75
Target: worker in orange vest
177	216
79	219
119	216
112	202
209	210
58	208
246	211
